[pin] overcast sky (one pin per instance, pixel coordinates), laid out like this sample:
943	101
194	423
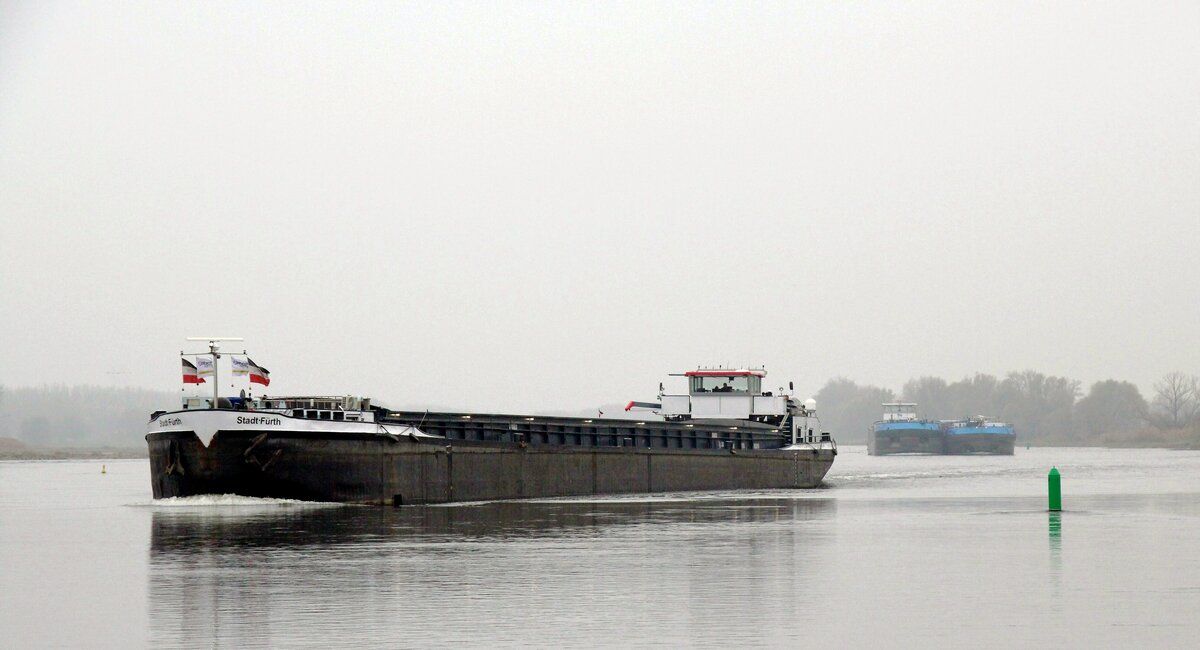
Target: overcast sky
521	206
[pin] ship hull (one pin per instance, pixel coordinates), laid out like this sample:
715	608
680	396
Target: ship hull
389	469
905	441
980	443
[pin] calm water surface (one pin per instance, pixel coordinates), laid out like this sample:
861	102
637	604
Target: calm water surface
894	552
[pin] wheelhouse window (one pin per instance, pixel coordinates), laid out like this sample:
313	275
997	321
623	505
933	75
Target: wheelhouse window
738	384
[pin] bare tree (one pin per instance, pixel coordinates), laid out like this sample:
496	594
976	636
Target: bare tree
930	395
848	409
1037	405
1176	399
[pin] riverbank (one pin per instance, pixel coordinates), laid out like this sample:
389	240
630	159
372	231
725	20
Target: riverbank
102	453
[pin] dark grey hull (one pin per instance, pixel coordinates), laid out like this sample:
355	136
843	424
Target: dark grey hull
397	470
905	441
981	443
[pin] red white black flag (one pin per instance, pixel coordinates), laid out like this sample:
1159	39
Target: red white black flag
258	374
190	375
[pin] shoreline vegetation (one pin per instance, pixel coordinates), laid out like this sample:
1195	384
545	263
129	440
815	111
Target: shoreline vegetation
30	453
1044	410
84	422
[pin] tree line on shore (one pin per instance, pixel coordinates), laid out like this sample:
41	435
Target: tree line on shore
79	416
1043	409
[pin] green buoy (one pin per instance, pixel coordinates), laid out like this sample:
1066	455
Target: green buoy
1054	481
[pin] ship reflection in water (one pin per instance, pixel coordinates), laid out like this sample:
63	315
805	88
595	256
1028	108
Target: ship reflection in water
284	575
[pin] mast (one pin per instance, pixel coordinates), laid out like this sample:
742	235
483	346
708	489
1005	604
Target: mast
214	344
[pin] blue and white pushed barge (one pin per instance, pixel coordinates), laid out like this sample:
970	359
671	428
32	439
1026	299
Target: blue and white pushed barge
979	435
902	432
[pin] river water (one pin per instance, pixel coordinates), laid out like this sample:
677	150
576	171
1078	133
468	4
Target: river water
912	551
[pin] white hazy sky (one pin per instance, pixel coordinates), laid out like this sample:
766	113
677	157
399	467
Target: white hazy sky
518	206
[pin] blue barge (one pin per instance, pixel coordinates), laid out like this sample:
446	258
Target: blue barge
979	435
902	432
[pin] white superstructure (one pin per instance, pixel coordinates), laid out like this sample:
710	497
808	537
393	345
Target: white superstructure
735	394
899	412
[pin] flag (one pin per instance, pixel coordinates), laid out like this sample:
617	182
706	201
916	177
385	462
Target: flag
258	374
204	366
240	366
189	373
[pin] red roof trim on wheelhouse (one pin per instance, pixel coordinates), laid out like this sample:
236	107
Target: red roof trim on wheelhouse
726	373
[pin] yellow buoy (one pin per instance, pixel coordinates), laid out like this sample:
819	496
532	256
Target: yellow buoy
103	469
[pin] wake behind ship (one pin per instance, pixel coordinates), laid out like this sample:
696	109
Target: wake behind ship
726	433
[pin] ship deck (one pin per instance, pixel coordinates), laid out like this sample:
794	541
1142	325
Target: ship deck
599	432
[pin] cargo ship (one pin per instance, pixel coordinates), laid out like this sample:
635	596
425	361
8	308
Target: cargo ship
725	433
902	432
979	435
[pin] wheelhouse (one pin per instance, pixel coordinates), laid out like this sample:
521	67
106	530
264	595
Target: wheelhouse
724	393
743	382
899	412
